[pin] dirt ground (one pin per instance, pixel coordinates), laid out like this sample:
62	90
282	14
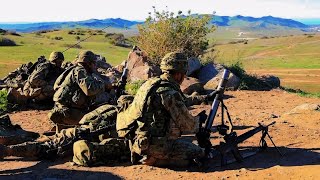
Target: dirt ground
296	133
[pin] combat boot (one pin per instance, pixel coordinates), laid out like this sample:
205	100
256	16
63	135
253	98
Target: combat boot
13	134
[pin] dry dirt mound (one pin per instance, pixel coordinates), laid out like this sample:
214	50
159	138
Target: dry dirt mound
296	134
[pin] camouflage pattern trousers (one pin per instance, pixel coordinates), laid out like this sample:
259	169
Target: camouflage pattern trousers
162	152
86	153
45	146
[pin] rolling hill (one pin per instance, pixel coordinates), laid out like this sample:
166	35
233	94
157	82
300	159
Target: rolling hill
266	22
91	23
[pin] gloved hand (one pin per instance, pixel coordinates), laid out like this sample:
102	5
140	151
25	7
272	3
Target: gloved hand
202	117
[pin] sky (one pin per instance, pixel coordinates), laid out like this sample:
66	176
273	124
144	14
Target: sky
75	10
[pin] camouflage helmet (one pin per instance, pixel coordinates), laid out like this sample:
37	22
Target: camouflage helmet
86	57
56	55
174	61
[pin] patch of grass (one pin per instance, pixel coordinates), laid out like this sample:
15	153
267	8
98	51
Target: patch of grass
132	87
301	93
35	46
3	100
283	52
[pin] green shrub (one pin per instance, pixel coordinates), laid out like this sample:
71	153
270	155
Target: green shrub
71	32
75	46
132	87
2	31
7	42
3	100
209	56
165	32
300	92
247	82
11	33
58	38
117	39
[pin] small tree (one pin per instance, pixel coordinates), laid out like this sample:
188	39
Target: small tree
165	32
6	42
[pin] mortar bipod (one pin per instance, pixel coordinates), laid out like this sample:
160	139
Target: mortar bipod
232	140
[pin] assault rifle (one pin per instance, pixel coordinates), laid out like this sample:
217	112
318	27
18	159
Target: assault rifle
231	139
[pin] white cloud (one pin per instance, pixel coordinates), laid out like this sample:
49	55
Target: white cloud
61	10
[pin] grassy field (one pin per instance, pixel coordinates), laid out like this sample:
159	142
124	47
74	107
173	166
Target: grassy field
295	59
31	46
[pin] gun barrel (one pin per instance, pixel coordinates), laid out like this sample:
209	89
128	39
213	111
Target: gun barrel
216	102
252	132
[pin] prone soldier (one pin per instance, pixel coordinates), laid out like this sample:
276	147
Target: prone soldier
39	85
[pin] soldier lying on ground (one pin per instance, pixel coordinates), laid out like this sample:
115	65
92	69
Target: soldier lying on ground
39	86
153	123
78	91
61	143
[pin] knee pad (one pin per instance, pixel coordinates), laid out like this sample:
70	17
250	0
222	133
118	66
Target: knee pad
83	153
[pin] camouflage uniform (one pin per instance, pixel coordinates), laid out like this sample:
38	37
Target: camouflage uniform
39	85
161	119
77	92
61	143
88	153
153	124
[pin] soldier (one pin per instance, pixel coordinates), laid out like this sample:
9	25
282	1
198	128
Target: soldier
154	121
39	86
78	90
60	144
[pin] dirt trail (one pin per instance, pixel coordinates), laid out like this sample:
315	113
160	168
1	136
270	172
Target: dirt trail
297	134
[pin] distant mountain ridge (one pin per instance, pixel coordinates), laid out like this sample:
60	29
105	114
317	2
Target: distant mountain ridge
258	22
232	21
91	23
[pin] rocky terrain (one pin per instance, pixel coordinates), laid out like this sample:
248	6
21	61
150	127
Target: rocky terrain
296	133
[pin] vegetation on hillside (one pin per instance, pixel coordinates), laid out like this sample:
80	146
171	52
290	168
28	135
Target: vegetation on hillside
3	101
301	93
247	81
118	39
32	45
132	87
7	42
165	32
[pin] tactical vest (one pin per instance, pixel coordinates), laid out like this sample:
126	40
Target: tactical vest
147	115
62	77
68	91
